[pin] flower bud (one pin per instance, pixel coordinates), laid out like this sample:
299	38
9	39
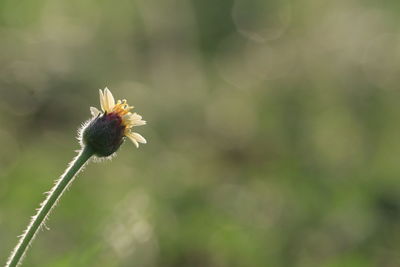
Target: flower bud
104	134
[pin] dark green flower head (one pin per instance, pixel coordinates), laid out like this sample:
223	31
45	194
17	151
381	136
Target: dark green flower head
104	134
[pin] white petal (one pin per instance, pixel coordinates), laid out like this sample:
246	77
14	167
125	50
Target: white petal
139	138
109	99
133	120
95	112
136	116
133	139
127	117
103	106
139	123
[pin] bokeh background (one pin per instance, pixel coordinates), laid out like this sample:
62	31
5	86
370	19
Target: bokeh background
273	131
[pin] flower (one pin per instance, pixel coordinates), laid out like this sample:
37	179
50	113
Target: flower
122	110
105	132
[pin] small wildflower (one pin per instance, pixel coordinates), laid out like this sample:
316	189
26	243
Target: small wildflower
105	132
101	136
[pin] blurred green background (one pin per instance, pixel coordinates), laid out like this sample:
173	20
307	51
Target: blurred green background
273	134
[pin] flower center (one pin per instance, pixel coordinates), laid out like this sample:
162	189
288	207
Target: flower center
121	108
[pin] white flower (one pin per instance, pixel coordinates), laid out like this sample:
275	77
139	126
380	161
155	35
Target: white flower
122	110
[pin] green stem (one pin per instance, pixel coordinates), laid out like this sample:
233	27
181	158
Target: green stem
46	207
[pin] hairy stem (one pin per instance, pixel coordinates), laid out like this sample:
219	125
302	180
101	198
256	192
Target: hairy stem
46	207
